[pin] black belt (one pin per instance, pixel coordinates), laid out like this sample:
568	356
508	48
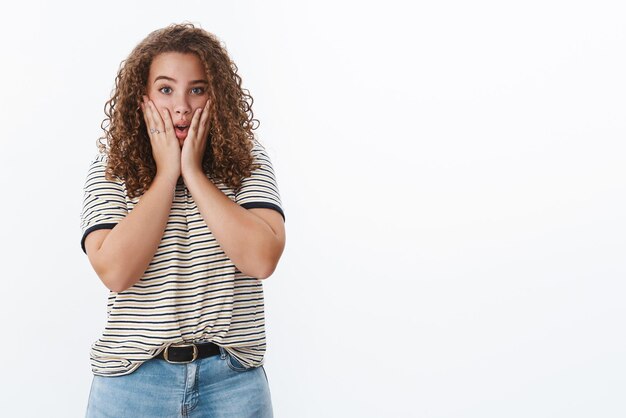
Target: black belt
187	352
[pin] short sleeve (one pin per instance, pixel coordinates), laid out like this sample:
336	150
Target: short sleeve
104	202
260	189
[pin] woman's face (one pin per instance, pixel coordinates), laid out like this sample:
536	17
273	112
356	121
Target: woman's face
177	82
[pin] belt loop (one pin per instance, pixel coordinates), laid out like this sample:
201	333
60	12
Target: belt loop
222	353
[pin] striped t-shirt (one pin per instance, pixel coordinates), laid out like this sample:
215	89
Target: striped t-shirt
191	290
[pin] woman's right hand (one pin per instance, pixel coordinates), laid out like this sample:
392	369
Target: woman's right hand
165	145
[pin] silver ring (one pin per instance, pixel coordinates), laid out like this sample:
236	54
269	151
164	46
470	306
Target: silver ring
152	130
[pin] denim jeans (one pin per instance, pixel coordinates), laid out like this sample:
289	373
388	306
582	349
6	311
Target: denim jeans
216	386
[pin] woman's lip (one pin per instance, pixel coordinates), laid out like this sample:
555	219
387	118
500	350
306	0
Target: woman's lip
181	134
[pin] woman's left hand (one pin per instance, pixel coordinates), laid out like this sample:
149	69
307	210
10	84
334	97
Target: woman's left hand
194	145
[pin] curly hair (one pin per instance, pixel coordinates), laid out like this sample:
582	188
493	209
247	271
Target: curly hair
228	156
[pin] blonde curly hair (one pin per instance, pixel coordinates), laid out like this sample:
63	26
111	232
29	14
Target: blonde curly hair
228	155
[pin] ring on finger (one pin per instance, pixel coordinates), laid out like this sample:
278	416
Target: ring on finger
152	130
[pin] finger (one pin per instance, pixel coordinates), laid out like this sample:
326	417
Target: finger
156	117
148	116
144	112
149	121
169	125
204	120
193	128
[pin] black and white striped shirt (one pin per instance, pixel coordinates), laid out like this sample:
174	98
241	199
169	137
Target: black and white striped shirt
191	290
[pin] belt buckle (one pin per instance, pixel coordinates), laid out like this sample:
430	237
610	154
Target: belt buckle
194	356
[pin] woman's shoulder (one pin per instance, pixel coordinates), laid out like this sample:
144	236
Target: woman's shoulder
257	146
97	169
98	164
260	151
99	159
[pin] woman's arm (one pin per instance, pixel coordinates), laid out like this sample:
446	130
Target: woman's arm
121	255
253	239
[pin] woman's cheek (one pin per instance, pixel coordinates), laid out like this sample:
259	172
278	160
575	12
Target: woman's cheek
162	111
159	106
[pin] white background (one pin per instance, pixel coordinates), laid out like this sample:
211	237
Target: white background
452	175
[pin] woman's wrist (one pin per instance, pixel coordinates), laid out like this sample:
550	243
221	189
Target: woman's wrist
191	172
169	179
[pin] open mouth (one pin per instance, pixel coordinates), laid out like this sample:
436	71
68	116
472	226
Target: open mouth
181	131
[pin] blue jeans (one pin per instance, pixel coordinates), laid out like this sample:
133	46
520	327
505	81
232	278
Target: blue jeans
216	386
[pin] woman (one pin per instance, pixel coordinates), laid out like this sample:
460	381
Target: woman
181	220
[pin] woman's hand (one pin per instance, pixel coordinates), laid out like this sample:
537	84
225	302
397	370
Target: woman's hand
194	144
165	146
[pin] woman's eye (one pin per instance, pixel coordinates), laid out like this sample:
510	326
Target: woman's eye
197	90
169	90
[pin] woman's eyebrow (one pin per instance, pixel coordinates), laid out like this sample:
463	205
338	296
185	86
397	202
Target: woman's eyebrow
164	77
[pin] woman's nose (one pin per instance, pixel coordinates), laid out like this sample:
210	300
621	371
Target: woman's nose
182	107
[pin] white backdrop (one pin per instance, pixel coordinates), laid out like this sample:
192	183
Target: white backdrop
452	175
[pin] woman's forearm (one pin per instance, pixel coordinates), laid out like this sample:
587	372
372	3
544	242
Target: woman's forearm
246	239
129	248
